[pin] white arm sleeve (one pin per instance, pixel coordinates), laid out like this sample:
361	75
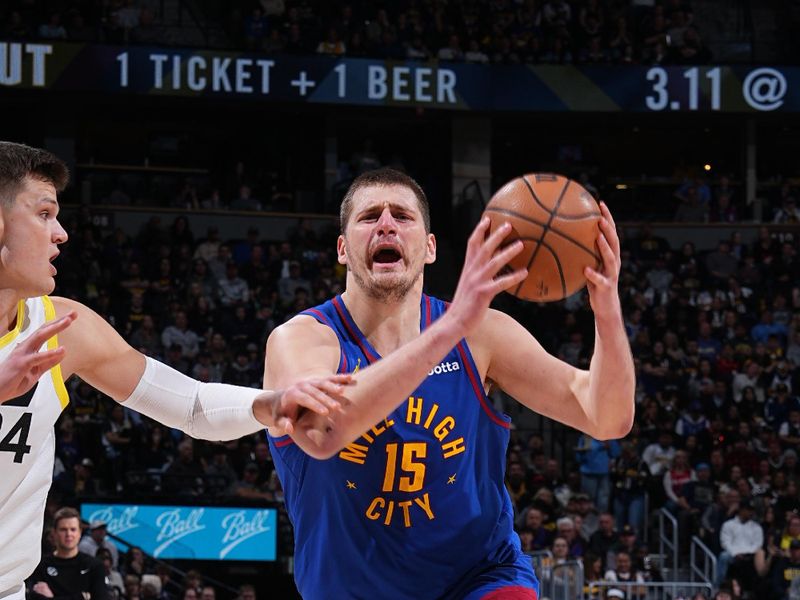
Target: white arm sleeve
207	411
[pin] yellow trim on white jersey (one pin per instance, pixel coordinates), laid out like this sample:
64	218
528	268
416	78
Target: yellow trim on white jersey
12	335
52	344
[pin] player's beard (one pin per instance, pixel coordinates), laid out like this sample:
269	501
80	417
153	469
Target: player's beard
391	289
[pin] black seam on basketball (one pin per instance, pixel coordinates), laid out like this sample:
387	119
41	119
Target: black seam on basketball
545	229
580	217
560	271
569	238
536	198
549	248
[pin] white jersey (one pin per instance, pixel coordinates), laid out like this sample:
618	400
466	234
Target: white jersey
27	451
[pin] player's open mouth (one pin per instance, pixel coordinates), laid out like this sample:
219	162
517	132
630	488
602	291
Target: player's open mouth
386	256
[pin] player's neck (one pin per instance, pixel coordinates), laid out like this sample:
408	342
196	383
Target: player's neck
66	552
9	300
387	324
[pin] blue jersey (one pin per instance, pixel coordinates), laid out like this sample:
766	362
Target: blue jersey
416	507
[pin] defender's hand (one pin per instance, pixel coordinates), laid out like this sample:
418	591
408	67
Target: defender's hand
27	363
281	409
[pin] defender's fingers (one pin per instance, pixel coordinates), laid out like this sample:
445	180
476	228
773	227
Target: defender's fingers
313	399
46	360
286	424
333	392
48	330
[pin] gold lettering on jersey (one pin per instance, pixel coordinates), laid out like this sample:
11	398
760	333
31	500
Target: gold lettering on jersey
414	410
408	511
452	448
357	453
354	453
444	428
405	467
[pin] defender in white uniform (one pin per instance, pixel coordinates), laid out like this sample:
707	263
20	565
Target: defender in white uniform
32	394
27	450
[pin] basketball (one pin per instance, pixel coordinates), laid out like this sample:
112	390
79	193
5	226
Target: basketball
556	218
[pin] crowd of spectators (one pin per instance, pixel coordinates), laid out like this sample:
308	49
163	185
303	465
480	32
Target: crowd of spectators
497	32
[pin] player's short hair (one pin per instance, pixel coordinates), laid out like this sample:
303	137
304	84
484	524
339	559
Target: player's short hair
383	177
18	161
66	512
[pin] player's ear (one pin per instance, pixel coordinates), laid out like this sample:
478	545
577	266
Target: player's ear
430	253
341	250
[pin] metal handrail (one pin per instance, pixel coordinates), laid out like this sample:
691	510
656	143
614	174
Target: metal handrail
654	590
568	586
708	573
671	543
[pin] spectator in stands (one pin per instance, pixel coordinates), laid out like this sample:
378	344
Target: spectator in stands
146	339
208	593
595	459
517	484
332	44
605	538
630	474
246	592
659	456
566	529
723	211
690	209
782	571
675	478
789	432
623	572
721	264
95	539
185	474
233	289
249	487
179	334
53	29
541	536
114	582
219	473
740	538
788	212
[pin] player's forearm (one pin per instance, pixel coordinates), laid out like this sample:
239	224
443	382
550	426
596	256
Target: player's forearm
612	381
378	390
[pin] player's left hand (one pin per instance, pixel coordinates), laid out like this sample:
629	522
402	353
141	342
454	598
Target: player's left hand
602	283
281	411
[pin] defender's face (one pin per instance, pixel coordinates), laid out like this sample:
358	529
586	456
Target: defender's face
29	237
385	246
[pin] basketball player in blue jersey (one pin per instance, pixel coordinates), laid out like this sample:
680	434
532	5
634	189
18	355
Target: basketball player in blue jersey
32	392
401	493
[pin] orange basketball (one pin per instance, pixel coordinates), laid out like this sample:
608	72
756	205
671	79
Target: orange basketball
556	218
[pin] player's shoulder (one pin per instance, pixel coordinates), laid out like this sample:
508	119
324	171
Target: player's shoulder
65	305
496	323
302	330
